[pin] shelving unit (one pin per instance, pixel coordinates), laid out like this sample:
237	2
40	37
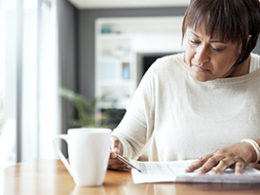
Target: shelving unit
118	43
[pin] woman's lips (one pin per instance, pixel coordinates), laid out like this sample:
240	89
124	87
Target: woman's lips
201	69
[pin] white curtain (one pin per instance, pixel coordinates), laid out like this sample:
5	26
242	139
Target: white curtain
29	79
8	81
40	106
49	105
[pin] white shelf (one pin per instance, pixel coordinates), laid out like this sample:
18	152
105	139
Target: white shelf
112	37
118	43
116	83
139	25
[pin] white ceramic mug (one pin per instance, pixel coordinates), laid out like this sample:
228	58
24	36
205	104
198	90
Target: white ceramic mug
88	150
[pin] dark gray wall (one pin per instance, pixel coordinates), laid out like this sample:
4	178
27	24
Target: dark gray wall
67	51
87	39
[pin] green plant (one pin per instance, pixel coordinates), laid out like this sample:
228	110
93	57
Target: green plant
87	115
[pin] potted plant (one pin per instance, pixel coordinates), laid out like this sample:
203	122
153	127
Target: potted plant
87	114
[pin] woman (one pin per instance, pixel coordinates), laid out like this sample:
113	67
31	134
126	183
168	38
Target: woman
204	103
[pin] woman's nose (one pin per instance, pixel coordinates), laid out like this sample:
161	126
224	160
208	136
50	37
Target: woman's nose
202	54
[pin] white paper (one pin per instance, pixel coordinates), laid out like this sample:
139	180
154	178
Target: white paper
174	171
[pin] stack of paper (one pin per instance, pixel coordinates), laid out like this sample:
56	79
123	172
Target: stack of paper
174	171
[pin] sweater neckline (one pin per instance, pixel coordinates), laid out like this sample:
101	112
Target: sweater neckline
223	81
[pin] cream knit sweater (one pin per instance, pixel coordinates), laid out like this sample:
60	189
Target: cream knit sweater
181	118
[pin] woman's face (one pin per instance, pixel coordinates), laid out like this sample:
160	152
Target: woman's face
209	57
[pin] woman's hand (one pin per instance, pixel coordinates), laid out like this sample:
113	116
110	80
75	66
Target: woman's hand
237	156
114	163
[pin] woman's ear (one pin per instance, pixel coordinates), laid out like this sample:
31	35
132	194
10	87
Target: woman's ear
240	45
248	38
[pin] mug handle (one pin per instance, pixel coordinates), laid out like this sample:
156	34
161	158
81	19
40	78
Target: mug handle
60	154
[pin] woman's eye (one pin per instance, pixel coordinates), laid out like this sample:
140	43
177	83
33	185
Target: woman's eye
217	49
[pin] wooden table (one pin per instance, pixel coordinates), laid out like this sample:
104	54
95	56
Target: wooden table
51	177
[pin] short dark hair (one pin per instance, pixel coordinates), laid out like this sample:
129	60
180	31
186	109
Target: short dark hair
233	20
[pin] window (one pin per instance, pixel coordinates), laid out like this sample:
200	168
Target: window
28	80
8	89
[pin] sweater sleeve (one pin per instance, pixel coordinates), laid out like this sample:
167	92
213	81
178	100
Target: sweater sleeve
136	127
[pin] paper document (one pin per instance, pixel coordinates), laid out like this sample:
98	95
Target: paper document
174	171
